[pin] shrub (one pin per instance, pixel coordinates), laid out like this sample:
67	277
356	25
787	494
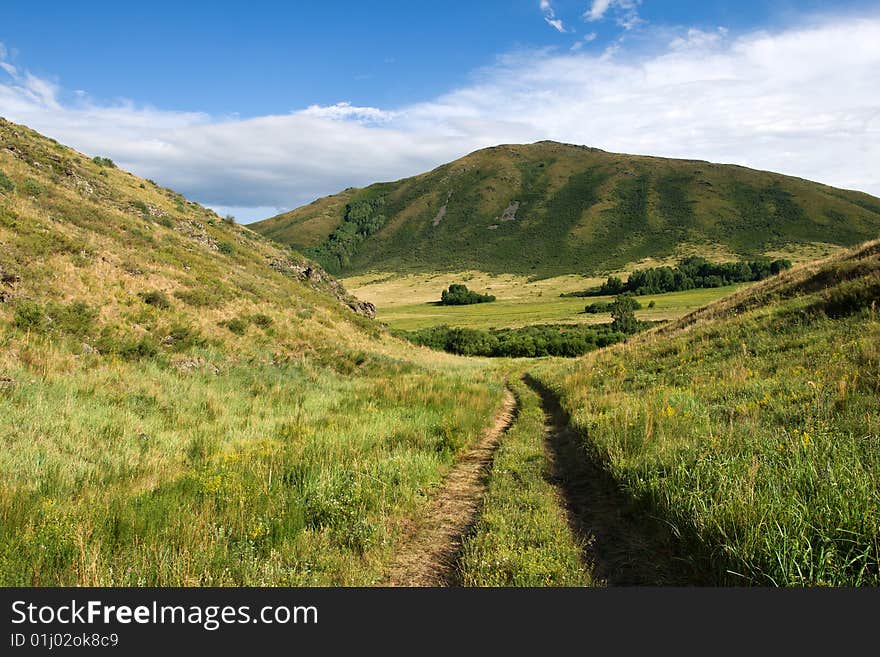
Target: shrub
200	297
459	295
525	342
140	205
226	248
692	272
104	162
145	347
29	316
261	320
181	337
597	308
33	188
229	219
76	318
6	185
156	298
239	325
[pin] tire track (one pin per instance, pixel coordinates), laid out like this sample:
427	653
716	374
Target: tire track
622	546
428	556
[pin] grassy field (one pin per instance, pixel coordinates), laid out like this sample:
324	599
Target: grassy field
257	475
406	303
522	537
751	428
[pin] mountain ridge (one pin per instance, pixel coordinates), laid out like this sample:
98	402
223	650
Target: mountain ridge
549	208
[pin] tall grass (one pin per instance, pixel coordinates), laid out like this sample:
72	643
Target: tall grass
137	474
757	438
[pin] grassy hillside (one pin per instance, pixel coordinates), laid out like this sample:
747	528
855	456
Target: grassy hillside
751	427
549	209
183	402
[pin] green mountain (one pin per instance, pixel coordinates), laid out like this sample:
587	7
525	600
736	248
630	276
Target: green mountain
547	208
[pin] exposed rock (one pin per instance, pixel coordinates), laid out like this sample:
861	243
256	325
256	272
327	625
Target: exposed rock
8	278
510	212
322	280
196	232
6	383
89	349
187	364
442	213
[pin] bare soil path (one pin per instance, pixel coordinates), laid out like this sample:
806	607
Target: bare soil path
429	554
622	546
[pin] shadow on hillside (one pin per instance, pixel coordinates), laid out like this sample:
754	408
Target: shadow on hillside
622	545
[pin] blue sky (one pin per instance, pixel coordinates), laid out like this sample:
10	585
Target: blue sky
303	99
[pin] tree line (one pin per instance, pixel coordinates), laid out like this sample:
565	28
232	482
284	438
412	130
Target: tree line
690	273
526	342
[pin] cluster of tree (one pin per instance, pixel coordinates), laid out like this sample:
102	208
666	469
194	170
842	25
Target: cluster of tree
690	273
458	295
362	218
600	307
526	342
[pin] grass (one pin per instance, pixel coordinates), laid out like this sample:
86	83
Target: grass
177	413
258	475
181	405
522	537
519	302
581	211
753	431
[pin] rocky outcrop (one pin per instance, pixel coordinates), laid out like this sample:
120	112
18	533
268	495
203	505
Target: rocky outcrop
7	283
313	273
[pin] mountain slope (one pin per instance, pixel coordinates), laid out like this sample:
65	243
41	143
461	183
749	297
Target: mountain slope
183	402
547	208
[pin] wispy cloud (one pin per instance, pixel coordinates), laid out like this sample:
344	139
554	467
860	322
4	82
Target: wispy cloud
803	101
550	16
625	11
597	10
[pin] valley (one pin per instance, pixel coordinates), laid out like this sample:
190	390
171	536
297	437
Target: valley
186	401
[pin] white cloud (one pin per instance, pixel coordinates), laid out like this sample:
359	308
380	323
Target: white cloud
626	12
597	10
556	23
803	101
550	16
363	115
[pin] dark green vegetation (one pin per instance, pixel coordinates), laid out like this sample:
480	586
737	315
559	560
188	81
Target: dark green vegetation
546	209
103	162
751	427
459	295
690	273
527	342
360	219
623	314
